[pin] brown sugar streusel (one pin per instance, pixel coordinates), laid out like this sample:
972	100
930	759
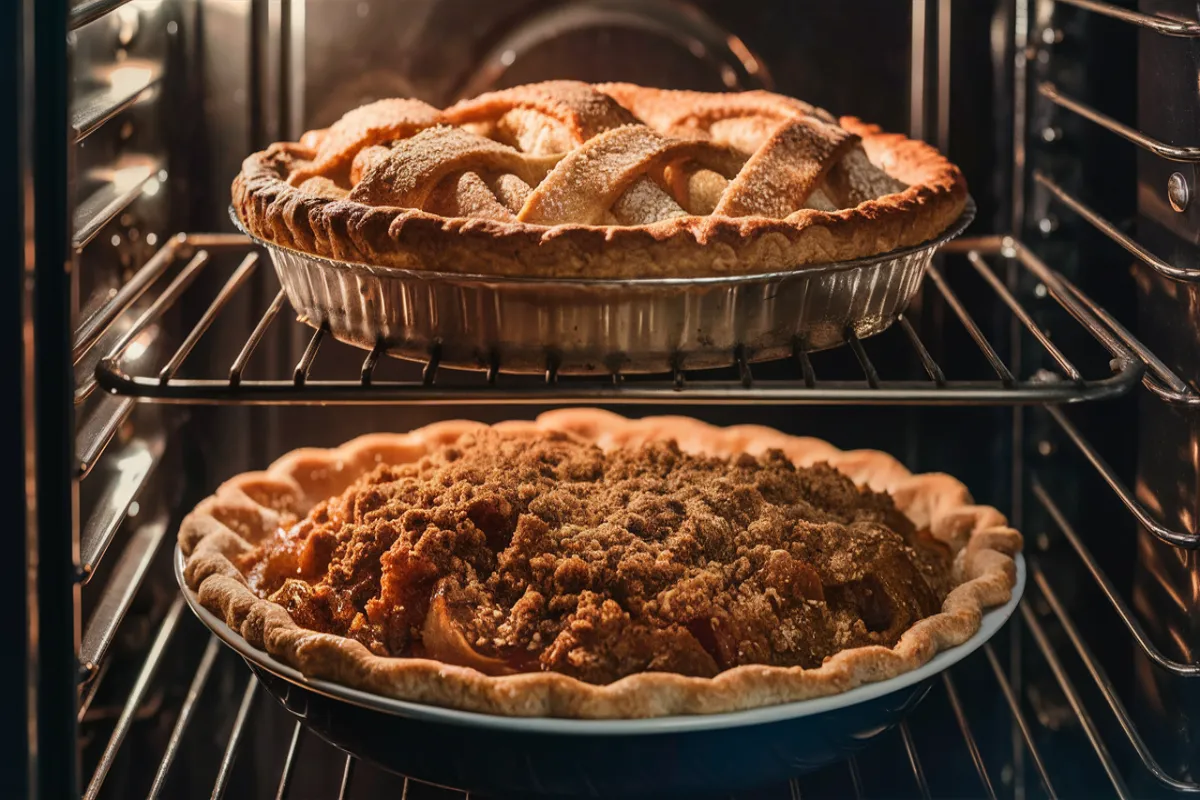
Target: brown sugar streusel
540	552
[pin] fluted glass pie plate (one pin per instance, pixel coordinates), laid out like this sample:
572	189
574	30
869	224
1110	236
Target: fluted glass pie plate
685	756
575	326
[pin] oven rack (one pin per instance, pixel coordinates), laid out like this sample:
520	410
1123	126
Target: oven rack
803	385
147	538
1030	626
1166	26
1187	154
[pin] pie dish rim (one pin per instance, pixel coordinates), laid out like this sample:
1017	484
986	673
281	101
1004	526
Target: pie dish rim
985	549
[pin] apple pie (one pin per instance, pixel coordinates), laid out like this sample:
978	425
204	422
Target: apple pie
588	565
568	179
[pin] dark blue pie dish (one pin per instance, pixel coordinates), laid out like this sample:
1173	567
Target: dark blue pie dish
683	756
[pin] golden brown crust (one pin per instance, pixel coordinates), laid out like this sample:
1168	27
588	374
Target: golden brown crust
318	218
250	506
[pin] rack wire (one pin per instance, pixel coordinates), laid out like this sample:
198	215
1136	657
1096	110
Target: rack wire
1181	28
1184	154
937	385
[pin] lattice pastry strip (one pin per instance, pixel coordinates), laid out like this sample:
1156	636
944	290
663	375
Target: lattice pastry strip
629	174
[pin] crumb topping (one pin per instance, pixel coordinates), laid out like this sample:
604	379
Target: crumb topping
540	552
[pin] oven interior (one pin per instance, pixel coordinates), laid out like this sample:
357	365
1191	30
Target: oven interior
1050	361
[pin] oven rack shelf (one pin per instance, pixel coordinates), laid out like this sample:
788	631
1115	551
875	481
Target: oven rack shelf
1031	627
802	384
1031	624
148	538
1165	26
1185	154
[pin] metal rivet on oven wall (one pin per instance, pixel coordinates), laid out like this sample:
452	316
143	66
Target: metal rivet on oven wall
1045	447
1178	192
1048	224
1039	291
1051	134
1043	542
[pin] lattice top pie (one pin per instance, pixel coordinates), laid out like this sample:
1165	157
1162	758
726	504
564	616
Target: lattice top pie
607	180
588	565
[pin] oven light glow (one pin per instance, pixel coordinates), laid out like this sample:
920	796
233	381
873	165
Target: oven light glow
135	350
126	178
131	469
138	347
129	80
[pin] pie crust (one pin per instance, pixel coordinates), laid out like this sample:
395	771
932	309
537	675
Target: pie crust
566	179
250	506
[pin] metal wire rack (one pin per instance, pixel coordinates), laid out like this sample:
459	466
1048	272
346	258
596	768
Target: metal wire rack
841	780
838	781
1131	361
803	385
1182	154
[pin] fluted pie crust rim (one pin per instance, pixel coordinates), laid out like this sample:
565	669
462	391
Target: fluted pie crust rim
249	506
692	246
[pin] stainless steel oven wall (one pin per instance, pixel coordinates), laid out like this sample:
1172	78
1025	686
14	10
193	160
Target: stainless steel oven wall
1167	579
123	124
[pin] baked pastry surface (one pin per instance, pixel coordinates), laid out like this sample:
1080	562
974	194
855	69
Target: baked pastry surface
586	565
566	179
